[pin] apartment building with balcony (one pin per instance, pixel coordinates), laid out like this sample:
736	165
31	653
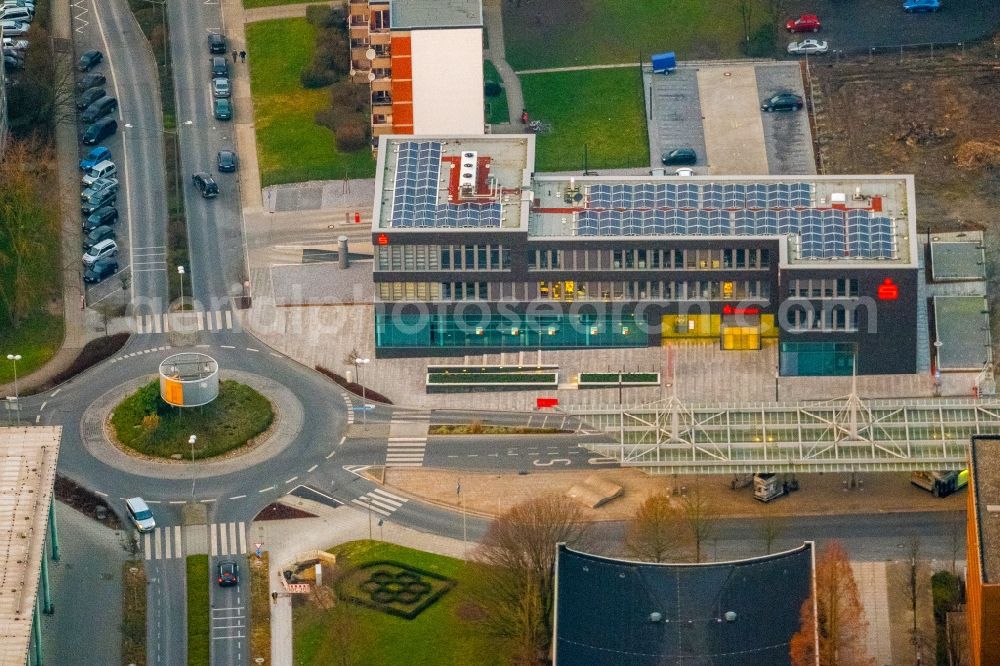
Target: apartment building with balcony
423	60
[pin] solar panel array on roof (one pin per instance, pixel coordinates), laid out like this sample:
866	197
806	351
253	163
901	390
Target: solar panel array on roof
691	195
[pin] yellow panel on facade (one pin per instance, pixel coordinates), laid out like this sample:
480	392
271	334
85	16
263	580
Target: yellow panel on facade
173	391
690	326
740	338
767	327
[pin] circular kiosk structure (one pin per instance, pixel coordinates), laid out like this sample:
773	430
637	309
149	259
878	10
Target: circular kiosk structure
189	379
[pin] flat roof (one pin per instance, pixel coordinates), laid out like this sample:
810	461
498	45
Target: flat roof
453	183
823	221
407	14
985	455
956	258
27	476
962	326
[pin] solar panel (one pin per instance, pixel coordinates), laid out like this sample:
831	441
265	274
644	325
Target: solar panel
621	196
800	195
834	237
600	196
608	223
586	223
653	222
687	195
745	224
414	200
719	222
734	195
883	238
711	196
642	196
756	195
632	223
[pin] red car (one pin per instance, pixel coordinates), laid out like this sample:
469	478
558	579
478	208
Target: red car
804	23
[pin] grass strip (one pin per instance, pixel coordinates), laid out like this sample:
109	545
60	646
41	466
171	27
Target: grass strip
260	611
199	634
496	107
133	613
625	378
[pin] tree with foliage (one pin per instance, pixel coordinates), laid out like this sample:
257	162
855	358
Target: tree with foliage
656	533
835	610
701	518
516	573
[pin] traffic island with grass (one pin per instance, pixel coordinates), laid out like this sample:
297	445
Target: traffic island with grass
145	423
199	631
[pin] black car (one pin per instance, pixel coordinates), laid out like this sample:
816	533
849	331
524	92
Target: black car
101	217
90	81
99	131
206	185
228	574
227	161
99	109
95	236
90	60
89	96
680	157
101	270
12	62
216	43
220	68
784	101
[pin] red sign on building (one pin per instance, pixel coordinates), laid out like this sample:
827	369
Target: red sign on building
542	403
888	291
382	239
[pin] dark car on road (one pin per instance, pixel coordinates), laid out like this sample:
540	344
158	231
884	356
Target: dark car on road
90	81
680	157
220	68
216	43
227	161
783	101
90	60
99	131
101	270
95	236
99	109
206	185
94	157
104	216
89	96
228	574
222	109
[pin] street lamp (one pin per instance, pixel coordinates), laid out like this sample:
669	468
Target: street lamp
14	358
191	440
180	271
358	362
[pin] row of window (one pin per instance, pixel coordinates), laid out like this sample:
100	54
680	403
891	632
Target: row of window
837	318
646	259
442	257
569	290
828	288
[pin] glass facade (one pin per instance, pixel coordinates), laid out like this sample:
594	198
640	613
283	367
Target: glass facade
474	330
810	359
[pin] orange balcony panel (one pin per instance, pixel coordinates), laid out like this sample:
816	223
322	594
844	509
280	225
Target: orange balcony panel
402	91
401	44
402	114
402	66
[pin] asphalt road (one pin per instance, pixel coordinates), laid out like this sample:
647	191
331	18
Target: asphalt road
229	616
166	616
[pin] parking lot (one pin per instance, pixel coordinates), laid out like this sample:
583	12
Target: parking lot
715	109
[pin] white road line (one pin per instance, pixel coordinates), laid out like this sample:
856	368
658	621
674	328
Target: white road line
177	540
275	354
53	394
203	346
252	349
385	504
379	491
243	540
157	328
311	469
291	479
227	346
330	455
232	540
237	497
178	502
371	508
229	319
213	545
38	419
264	490
146	552
98	492
206	501
218	320
342	440
201	320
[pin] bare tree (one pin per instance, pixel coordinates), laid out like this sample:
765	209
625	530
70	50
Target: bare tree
746	15
701	518
43	93
515	569
771	527
913	552
838	616
656	531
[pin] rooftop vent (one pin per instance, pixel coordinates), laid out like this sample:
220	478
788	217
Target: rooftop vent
468	167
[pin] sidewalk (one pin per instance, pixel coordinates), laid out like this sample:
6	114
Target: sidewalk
284	539
280	11
496	53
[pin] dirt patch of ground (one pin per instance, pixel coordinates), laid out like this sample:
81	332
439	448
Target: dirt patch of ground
490	493
71	493
278	511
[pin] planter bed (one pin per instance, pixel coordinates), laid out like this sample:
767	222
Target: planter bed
491	369
611	379
439	382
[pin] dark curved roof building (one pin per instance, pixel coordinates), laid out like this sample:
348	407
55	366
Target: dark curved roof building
622	613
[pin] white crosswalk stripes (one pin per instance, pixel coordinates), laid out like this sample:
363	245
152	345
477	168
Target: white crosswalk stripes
227	539
163	543
406	451
380	501
183	322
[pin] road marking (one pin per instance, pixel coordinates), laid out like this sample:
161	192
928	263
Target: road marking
151	501
227	346
368	506
43	405
201	320
207	501
229	319
330	455
264	490
311	469
342	440
98	492
38	419
53	394
203	346
177	502
218	320
290	480
250	348
237	497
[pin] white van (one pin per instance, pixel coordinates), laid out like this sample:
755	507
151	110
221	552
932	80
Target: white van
105	169
140	514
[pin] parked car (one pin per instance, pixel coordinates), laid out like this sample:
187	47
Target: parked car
105	169
8	13
95	156
96	235
27	4
228	574
922	6
101	199
101	270
140	514
216	43
223	109
103	216
226	161
783	101
680	156
19	44
220	68
90	60
100	131
99	185
106	248
808	47
89	96
220	88
13	62
90	81
804	23
684	172
206	185
99	109
12	28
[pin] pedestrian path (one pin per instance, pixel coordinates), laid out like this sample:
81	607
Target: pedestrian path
184	322
407	439
166	543
380	501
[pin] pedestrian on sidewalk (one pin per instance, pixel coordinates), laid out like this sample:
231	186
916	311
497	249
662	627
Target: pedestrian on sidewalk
234	57
243	56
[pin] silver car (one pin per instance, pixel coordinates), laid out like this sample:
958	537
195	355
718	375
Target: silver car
808	47
221	88
99	185
140	514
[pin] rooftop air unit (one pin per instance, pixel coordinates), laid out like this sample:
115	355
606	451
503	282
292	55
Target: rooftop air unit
469	165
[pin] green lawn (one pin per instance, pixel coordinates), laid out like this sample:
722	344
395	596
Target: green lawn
197	610
600	109
37	340
253	4
559	34
497	110
437	636
236	415
291	147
